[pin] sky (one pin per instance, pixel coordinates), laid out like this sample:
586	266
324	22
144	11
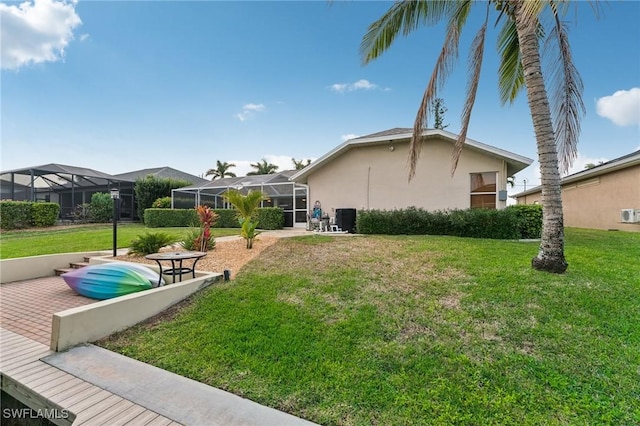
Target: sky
118	86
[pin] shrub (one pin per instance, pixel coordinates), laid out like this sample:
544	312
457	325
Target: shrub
15	214
529	219
150	188
271	217
476	223
81	213
101	208
151	242
191	240
164	218
207	218
45	214
162	203
227	218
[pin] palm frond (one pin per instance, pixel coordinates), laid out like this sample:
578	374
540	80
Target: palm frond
444	65
475	66
567	107
510	74
404	16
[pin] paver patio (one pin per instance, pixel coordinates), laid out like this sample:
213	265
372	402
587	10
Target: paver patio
26	307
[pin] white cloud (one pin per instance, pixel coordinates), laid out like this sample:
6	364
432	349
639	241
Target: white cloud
358	85
248	111
84	37
581	161
348	136
623	107
36	32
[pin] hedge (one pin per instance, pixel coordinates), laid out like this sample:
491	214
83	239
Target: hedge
530	219
166	218
25	214
44	214
268	218
509	223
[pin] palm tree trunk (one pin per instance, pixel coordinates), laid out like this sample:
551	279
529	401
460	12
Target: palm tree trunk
551	254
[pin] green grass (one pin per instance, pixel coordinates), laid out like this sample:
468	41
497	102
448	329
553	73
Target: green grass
81	238
417	330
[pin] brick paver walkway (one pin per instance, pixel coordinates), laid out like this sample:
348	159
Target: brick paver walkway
26	307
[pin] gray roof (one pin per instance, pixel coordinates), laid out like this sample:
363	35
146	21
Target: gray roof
271	184
515	162
628	160
163	172
59	176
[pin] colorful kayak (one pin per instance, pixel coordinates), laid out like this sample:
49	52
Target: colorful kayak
109	280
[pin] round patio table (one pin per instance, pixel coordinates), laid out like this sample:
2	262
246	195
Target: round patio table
176	259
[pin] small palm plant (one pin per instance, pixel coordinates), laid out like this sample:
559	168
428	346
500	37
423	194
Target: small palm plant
246	206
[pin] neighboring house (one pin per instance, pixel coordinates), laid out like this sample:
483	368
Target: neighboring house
595	198
371	172
71	186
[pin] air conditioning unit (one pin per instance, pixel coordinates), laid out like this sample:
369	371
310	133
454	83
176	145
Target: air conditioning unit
630	215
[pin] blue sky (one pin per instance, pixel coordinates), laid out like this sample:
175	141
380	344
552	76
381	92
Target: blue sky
121	86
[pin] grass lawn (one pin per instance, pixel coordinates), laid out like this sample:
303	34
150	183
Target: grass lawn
80	238
417	330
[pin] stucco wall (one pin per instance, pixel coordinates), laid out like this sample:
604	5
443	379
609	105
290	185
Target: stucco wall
375	177
596	202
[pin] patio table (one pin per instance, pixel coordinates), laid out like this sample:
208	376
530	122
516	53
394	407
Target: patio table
176	259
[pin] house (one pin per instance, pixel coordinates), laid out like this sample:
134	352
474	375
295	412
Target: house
371	172
71	186
604	197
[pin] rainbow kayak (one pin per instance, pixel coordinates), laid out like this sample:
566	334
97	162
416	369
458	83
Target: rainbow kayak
109	280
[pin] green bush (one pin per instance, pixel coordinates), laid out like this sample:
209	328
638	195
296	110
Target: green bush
151	242
227	218
530	219
150	188
162	203
100	209
270	218
45	214
476	223
190	240
15	214
166	218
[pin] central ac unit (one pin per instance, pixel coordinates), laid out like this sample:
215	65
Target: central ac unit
630	215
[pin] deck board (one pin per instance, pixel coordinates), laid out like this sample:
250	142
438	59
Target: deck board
106	416
143	419
44	386
126	416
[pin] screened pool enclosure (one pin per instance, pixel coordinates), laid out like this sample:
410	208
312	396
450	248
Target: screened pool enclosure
289	196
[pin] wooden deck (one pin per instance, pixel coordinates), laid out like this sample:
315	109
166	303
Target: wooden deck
66	398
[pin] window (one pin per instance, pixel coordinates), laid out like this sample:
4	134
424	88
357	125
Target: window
483	190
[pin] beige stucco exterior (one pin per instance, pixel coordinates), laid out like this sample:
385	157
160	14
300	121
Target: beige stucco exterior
375	177
596	201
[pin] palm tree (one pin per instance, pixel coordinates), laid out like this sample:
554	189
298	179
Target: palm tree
520	66
263	167
247	208
221	170
300	164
